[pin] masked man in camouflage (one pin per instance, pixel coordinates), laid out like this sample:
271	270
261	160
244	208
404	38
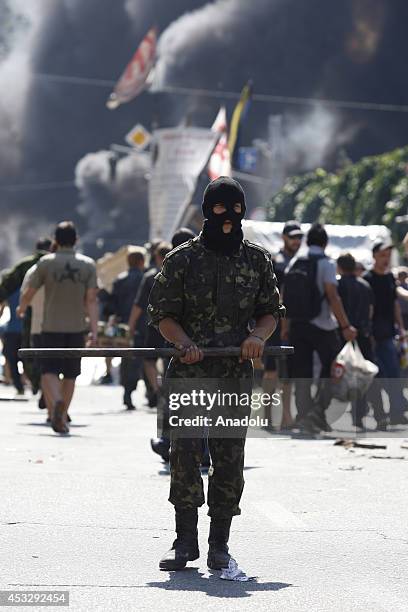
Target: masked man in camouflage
208	293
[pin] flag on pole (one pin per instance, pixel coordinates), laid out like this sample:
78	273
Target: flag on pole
238	117
220	164
220	122
134	78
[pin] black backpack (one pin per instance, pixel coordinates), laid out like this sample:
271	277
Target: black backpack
301	295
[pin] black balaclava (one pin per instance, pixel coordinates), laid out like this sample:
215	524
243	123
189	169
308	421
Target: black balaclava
223	190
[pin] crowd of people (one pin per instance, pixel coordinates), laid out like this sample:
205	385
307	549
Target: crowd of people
54	301
214	291
328	304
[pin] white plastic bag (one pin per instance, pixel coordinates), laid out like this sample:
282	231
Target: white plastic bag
351	373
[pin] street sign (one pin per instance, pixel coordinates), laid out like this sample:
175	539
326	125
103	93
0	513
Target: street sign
247	158
139	137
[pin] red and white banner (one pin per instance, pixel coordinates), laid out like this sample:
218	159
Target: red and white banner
220	162
133	80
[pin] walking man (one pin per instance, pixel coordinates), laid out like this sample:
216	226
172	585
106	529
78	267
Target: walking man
207	293
387	316
70	286
124	291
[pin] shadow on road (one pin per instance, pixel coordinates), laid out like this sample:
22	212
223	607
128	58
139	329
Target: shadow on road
44	424
165	471
60	436
191	579
121	411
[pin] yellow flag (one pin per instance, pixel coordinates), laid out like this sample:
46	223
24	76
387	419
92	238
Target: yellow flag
238	115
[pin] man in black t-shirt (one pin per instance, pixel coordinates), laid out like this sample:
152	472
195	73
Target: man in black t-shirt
387	315
357	296
358	301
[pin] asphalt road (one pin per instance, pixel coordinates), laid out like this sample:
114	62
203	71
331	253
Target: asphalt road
324	528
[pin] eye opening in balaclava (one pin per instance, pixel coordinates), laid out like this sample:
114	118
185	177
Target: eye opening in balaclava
228	192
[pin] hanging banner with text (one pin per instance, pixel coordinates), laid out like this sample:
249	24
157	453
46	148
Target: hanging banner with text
179	156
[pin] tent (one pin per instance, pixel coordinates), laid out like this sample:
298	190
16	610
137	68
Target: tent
356	239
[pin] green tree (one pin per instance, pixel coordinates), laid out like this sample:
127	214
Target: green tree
371	191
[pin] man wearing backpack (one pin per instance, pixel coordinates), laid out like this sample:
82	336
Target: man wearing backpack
314	314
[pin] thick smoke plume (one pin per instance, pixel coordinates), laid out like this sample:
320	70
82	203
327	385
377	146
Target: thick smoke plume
312	139
284	48
287	47
49	126
19	21
109	188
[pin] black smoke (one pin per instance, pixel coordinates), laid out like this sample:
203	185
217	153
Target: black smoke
349	50
62	123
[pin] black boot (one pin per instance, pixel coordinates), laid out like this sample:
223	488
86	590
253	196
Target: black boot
185	546
127	399
218	555
161	446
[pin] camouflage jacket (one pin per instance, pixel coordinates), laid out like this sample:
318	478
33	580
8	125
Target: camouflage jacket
214	297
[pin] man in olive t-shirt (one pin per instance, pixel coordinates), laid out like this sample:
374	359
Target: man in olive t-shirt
70	284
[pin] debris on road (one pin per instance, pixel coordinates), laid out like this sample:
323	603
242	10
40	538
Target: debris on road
233	572
400	458
348	443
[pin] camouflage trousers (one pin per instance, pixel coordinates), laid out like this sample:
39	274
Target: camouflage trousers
225	476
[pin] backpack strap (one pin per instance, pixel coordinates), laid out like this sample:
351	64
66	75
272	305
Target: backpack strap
315	257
